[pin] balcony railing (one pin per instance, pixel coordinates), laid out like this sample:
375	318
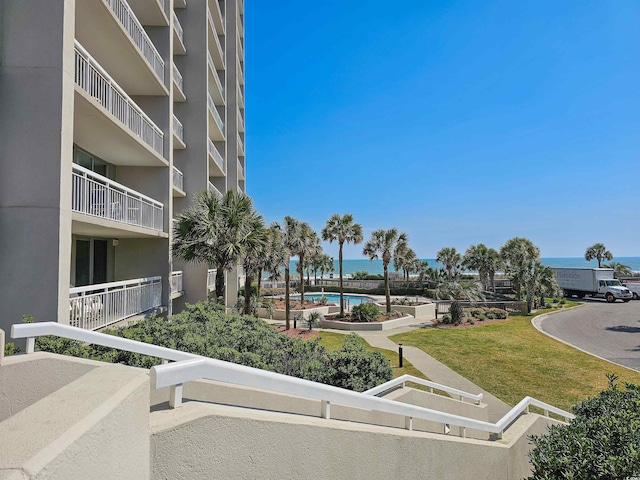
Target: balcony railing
177	77
216	79
178	179
131	24
213	151
211	278
240	170
178	128
96	306
98	196
214	112
178	27
94	80
176	282
240	145
215	37
214	190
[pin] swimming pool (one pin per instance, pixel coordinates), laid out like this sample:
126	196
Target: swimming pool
335	298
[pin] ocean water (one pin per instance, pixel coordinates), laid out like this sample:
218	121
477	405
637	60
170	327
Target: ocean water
375	266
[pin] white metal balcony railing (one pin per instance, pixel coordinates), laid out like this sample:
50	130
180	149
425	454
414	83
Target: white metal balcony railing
213	151
240	170
178	128
95	195
94	80
96	306
178	27
176	282
215	36
214	112
177	77
211	278
214	73
240	145
178	179
189	367
131	24
217	193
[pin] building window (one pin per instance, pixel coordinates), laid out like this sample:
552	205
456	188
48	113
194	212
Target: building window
93	163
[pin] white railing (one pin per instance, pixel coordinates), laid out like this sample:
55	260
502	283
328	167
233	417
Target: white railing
176	282
178	27
131	24
95	195
94	80
214	112
240	95
214	190
401	381
190	367
178	128
240	144
215	36
214	73
240	71
178	179
211	278
240	170
177	77
96	306
213	151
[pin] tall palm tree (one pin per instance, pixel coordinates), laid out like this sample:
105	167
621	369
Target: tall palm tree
538	279
516	253
450	258
599	252
218	232
275	254
252	264
383	244
619	269
308	244
291	231
343	230
327	265
485	260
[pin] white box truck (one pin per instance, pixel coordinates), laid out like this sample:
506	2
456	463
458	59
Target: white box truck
593	282
634	287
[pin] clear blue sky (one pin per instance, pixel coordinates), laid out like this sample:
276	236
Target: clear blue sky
458	122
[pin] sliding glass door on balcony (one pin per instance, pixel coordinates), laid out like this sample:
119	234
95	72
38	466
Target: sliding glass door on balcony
91	257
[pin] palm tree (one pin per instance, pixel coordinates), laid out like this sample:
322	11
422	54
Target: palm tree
383	245
291	231
471	291
275	254
451	259
485	260
516	253
307	245
619	269
599	252
218	232
327	265
342	229
538	279
252	264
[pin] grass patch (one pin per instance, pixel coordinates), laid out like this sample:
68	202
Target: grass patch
511	359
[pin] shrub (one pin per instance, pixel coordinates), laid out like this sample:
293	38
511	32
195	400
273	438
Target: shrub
603	441
11	349
313	319
457	312
365	312
446	318
482	317
499	313
363	275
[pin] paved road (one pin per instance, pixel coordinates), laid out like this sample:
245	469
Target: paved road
609	330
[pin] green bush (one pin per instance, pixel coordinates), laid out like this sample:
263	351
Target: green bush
446	318
363	275
499	313
603	441
10	349
365	312
457	313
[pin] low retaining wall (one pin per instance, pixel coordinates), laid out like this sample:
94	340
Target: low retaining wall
425	312
282	314
367	326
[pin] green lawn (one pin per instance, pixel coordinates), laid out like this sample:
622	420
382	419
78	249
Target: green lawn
511	359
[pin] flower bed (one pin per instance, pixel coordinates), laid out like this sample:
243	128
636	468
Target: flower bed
384	324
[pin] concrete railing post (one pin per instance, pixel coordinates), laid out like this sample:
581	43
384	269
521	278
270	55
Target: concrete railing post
1	346
325	409
175	396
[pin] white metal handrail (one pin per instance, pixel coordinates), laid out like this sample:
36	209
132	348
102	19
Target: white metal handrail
214	190
401	380
213	151
215	36
177	77
211	276
93	194
137	33
96	306
178	128
178	179
214	112
94	80
240	170
189	367
240	71
176	281
174	375
214	73
240	95
178	27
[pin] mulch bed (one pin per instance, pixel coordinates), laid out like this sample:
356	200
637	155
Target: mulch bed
383	318
301	333
465	324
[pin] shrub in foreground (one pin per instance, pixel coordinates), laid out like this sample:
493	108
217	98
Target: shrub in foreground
365	312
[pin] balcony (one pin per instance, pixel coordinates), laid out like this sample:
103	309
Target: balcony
240	171
216	127
110	30
151	12
240	121
177	183
240	70
240	24
240	146
180	3
211	188
104	207
215	47
178	86
176	285
178	36
216	162
216	90
96	306
216	16
178	134
239	46
108	122
211	279
240	95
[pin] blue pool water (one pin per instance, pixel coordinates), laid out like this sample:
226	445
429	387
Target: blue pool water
333	298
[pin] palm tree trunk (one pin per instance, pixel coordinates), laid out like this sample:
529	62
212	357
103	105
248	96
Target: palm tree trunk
341	290
286	300
386	288
301	271
247	294
259	281
220	285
